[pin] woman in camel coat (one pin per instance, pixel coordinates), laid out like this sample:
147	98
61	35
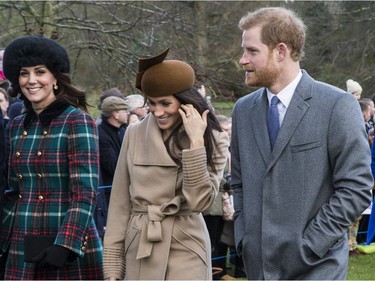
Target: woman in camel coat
168	172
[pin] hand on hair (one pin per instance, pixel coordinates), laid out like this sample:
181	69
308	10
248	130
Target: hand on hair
194	123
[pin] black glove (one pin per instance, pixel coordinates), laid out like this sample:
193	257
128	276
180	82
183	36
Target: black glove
54	256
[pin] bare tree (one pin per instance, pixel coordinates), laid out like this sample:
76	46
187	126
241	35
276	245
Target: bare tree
105	38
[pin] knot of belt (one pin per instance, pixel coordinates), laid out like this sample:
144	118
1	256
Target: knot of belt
153	232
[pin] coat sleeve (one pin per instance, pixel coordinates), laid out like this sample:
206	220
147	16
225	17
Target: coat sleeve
8	207
200	182
350	160
2	156
83	161
118	217
236	185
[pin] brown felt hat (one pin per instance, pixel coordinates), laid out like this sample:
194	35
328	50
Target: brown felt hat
157	77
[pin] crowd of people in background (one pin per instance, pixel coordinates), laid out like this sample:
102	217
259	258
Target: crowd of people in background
153	182
357	232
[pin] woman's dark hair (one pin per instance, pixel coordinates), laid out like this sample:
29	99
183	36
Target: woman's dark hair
192	96
65	91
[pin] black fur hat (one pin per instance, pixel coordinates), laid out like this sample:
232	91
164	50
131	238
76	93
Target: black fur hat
32	50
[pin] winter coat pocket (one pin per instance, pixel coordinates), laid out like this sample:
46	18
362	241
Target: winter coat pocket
191	243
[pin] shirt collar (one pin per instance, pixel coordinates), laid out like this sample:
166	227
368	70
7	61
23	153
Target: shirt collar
286	94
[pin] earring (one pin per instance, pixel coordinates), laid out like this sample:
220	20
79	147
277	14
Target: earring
55	87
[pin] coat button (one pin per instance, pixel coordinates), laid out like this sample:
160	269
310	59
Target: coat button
39	153
39	176
24	133
19	196
40	197
18	154
83	248
44	133
19	176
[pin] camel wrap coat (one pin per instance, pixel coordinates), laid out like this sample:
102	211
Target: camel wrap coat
155	229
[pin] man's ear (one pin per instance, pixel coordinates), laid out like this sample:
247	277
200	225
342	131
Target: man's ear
282	51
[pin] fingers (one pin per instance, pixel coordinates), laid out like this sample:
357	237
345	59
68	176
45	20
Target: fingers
204	116
185	112
182	113
189	111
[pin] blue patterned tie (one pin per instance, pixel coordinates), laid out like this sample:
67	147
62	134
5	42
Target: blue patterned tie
273	120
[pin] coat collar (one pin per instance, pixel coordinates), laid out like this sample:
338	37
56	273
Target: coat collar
296	110
106	124
150	148
48	114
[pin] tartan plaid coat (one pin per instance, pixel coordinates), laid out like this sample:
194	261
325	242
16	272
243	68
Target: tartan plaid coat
54	166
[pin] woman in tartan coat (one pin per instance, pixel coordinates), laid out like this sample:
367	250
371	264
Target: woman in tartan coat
53	167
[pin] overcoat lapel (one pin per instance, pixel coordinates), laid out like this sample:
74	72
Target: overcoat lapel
150	148
258	117
296	110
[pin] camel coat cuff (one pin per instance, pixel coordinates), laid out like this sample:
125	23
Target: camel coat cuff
114	267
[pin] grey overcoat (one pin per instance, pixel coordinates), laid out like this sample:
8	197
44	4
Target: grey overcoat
293	205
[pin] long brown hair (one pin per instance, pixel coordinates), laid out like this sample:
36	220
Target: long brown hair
192	96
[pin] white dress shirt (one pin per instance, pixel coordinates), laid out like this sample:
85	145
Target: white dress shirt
285	96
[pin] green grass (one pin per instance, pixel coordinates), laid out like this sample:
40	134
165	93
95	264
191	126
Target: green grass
362	267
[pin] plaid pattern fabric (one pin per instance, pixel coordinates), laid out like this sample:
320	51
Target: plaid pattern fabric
55	168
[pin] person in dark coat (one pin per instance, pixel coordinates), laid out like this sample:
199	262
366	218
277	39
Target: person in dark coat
14	110
2	144
2	161
2	182
111	133
112	92
53	165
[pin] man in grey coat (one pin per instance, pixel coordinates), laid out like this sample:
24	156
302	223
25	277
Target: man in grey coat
295	198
